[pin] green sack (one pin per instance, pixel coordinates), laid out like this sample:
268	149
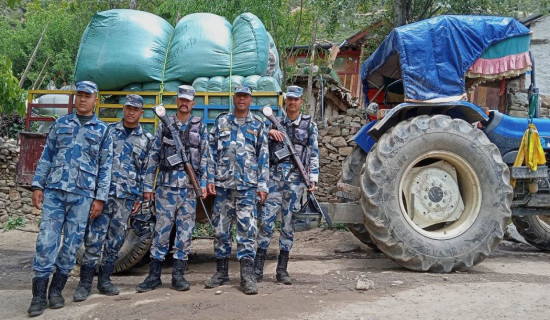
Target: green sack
201	46
250	46
122	46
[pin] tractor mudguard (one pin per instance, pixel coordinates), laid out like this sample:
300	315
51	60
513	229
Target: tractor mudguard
457	110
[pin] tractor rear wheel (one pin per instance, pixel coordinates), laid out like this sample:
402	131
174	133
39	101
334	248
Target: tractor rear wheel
436	194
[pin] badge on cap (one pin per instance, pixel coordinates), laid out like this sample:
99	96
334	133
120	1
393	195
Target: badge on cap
294	92
86	86
186	92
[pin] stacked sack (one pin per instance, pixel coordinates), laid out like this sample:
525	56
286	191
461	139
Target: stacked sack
122	47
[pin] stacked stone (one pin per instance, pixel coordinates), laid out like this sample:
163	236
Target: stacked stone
14	201
518	102
335	144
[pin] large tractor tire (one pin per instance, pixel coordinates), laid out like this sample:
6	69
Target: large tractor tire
132	252
535	230
351	174
436	194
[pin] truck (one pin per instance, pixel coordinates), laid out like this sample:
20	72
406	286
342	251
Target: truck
44	106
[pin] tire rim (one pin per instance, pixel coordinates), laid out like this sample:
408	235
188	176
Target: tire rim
544	222
469	187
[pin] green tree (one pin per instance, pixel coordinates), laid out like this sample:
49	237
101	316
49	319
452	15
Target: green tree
12	98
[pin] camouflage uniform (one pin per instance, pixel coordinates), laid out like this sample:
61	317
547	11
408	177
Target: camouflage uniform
286	187
238	166
74	169
175	198
128	171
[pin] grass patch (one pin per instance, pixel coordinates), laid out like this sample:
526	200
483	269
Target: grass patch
13	223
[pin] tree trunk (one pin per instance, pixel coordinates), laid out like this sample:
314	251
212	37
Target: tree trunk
402	10
31	60
311	102
133	4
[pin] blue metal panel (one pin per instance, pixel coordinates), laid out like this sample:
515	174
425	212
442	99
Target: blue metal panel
362	137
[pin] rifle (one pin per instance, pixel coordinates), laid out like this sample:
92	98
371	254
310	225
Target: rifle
290	151
181	157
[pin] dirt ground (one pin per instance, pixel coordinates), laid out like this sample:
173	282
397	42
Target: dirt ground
514	283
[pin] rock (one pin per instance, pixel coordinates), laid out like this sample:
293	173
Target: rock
338	142
518	114
545	101
14	195
345	151
334	131
513	86
364	285
26	209
543	112
347	248
4	218
397	283
218	292
326	139
330	147
36	212
519	98
16	205
331	120
323	152
345	132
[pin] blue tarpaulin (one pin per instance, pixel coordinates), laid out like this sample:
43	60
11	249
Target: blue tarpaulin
432	56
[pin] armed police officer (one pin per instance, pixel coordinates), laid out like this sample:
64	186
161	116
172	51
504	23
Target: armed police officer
237	172
107	232
286	185
175	199
71	183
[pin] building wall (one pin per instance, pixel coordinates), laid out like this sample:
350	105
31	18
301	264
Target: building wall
540	47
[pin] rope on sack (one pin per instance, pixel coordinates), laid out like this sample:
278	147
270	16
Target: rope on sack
231	72
161	89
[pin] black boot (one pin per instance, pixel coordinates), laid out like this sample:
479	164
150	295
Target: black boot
85	284
39	302
178	281
153	279
104	284
54	294
282	262
221	276
259	264
248	278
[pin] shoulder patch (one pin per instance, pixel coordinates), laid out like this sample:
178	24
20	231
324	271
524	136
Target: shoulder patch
195	119
222	114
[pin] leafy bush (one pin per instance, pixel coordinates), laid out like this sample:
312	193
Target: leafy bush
12	98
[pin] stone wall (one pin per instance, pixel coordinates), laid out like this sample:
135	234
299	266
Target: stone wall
14	201
335	144
518	104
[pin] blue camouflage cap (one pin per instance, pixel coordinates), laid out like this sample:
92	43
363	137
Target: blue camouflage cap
186	92
243	89
86	86
134	100
294	92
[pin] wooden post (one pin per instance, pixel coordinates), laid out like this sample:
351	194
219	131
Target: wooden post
28	68
38	77
311	99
